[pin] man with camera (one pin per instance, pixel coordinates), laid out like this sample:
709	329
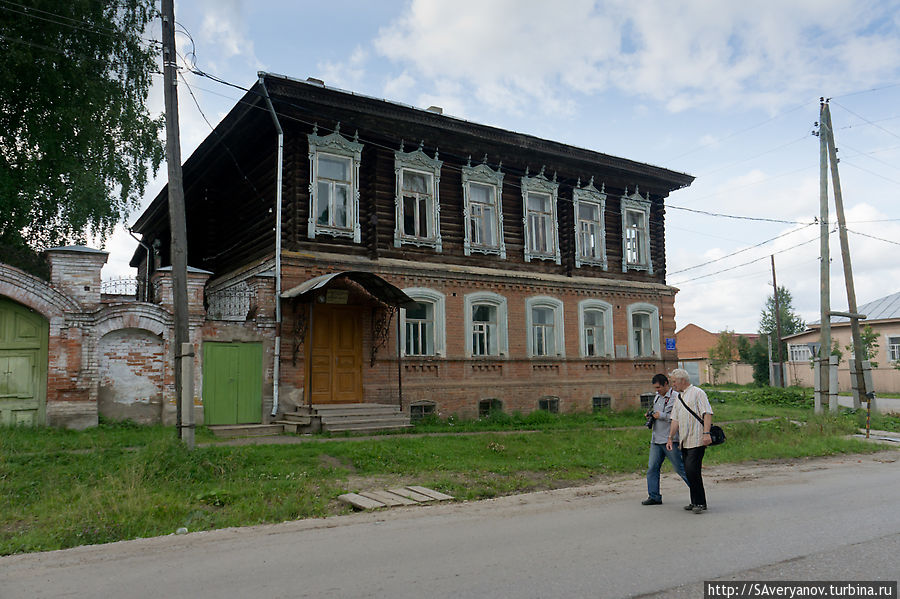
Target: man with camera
659	417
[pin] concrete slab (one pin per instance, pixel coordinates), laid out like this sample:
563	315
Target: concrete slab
360	502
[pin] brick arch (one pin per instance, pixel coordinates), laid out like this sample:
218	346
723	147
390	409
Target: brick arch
35	293
148	317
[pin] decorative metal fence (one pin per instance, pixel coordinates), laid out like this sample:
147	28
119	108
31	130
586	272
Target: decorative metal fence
233	303
130	287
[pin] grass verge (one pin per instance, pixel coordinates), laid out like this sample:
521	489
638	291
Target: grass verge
60	489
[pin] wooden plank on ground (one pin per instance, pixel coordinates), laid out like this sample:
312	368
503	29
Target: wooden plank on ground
419	497
360	502
430	493
388	498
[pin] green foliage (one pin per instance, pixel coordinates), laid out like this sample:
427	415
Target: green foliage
758	356
75	135
869	339
790	322
775	396
723	352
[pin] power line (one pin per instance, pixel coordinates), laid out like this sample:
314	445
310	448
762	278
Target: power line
27	11
877	126
712	274
872	237
736	217
762	243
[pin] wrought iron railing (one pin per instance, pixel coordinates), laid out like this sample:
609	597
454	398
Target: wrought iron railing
131	287
233	303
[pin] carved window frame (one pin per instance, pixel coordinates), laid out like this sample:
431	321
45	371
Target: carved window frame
418	162
637	203
653	313
338	146
607	310
596	197
559	337
439	328
483	175
498	302
541	185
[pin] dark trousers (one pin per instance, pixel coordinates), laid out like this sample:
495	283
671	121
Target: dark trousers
693	462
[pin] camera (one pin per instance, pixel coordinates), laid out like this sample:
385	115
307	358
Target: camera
650	419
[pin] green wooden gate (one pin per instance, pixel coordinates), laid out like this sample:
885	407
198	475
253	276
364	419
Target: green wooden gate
23	364
232	383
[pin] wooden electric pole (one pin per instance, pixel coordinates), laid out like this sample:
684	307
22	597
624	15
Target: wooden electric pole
777	326
858	351
824	357
176	201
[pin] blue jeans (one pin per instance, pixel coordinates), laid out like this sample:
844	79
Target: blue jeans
658	453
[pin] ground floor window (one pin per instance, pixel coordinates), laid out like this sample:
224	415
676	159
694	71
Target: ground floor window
549	404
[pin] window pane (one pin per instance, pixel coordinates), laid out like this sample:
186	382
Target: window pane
481	193
539	202
334	168
322	201
419	312
542	315
416	182
409	216
483	313
424	215
588	212
341	206
592	317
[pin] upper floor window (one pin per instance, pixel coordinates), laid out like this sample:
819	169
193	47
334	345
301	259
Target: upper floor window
334	185
590	228
539	197
544	319
643	330
423	325
486	324
482	209
636	232
417	201
596	328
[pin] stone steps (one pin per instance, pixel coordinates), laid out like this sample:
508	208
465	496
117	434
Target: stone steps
345	418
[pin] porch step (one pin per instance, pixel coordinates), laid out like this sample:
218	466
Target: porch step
227	431
345	418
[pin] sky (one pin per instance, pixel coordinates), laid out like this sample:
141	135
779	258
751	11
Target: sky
725	91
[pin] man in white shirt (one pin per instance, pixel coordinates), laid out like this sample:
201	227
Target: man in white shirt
693	431
661	417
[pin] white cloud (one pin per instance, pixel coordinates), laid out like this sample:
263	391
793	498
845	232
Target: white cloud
345	74
686	54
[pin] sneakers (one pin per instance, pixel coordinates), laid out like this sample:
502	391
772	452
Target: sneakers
695	508
651	501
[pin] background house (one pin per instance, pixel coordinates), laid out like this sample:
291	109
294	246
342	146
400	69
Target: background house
883	315
694	343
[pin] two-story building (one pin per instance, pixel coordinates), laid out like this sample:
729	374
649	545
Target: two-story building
363	250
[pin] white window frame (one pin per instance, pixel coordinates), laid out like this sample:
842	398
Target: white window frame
595	197
607	309
337	146
438	302
483	175
893	348
799	352
418	162
636	203
499	303
653	312
559	337
541	185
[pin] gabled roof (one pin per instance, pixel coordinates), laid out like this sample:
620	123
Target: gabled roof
884	308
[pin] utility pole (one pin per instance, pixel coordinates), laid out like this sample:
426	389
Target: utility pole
176	201
823	359
859	355
777	326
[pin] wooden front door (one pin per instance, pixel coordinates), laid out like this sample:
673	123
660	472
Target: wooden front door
23	365
335	363
232	383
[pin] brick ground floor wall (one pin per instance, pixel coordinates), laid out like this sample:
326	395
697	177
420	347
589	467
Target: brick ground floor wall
456	383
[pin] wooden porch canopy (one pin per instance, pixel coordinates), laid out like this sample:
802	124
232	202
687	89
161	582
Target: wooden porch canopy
375	285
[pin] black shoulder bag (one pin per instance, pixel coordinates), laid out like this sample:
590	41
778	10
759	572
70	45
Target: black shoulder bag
715	432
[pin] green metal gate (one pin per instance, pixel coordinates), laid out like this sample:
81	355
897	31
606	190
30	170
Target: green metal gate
232	383
23	365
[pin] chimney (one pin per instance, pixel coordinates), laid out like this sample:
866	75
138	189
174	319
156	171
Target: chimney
435	109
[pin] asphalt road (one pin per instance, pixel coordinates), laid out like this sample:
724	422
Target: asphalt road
822	519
